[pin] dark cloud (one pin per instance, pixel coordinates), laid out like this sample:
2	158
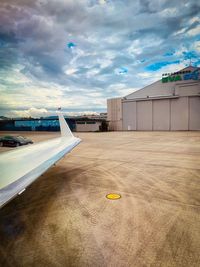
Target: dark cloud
108	35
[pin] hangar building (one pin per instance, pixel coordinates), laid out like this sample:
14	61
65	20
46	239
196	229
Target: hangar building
170	104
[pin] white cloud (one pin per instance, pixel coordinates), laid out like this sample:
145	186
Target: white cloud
92	72
194	19
169	12
32	112
194	32
41	112
196	46
70	71
135	47
94	94
102	2
39	70
144	75
179	32
80	113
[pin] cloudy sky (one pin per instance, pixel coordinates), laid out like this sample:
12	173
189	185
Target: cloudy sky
77	53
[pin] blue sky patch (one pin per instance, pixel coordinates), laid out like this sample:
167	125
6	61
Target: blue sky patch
168	54
158	65
190	54
71	45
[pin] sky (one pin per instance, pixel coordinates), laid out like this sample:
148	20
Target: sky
75	54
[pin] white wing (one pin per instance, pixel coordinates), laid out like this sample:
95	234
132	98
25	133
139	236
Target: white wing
21	166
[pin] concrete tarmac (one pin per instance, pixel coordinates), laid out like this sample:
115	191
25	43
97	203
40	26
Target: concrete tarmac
65	219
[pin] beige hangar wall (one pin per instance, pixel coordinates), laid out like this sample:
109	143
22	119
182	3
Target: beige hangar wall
114	109
159	106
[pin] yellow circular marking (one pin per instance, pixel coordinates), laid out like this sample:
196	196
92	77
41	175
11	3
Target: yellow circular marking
113	196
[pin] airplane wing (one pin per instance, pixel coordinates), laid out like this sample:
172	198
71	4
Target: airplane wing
22	166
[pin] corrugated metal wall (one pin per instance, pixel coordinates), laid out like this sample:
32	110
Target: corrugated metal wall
167	114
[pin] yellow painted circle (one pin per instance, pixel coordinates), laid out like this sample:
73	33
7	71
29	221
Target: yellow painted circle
113	196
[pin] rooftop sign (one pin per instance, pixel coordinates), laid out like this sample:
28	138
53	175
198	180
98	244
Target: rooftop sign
181	76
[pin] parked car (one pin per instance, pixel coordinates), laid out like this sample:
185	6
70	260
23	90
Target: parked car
14	141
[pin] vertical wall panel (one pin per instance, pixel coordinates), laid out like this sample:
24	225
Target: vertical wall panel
144	115
161	115
179	114
129	115
114	109
194	113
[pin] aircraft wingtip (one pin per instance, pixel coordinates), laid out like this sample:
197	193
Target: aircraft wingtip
64	128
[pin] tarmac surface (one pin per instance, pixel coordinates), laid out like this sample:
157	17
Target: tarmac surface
65	219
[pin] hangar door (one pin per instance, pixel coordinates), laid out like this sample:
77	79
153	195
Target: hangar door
161	115
194	113
179	114
144	115
129	115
